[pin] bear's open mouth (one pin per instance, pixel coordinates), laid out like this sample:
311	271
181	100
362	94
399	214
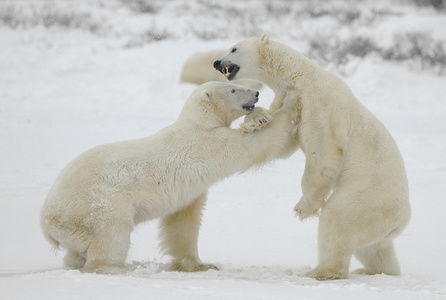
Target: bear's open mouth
249	108
230	71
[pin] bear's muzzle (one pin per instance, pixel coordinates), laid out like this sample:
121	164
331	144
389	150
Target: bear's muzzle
228	69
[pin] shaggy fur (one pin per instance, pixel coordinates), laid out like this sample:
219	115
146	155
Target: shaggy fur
101	195
354	174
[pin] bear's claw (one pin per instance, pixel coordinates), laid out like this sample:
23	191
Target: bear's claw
303	209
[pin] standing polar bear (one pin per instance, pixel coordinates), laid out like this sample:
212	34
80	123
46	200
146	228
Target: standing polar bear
354	171
101	195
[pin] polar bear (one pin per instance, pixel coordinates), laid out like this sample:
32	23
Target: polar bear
354	176
101	195
198	69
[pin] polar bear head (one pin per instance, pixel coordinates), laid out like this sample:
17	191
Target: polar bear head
220	103
243	59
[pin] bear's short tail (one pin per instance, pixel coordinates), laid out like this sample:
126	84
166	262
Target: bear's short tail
52	241
49	237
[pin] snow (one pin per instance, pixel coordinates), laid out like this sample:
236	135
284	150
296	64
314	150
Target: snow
64	91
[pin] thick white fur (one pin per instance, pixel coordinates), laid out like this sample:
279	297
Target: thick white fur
354	171
198	69
101	195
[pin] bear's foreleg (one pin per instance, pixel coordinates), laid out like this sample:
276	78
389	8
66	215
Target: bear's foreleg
315	190
277	101
322	166
179	237
256	120
279	138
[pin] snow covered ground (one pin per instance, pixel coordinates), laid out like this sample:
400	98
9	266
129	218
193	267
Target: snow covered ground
63	91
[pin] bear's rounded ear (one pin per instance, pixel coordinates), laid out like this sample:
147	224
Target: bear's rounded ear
264	38
206	95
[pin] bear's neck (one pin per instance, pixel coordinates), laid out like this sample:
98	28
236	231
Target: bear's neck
204	116
282	67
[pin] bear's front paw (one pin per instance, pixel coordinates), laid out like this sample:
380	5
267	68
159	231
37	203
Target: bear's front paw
304	209
256	120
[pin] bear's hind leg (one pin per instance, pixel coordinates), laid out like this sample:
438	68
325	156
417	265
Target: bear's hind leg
74	260
334	262
379	258
108	249
179	237
336	241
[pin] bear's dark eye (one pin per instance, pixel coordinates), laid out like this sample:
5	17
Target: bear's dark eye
233	91
233	50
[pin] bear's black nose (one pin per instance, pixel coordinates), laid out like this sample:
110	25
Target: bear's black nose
217	64
257	94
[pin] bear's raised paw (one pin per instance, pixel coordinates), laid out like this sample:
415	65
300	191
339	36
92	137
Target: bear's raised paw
256	120
305	209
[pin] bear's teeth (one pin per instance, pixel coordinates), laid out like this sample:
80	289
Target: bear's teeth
225	71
